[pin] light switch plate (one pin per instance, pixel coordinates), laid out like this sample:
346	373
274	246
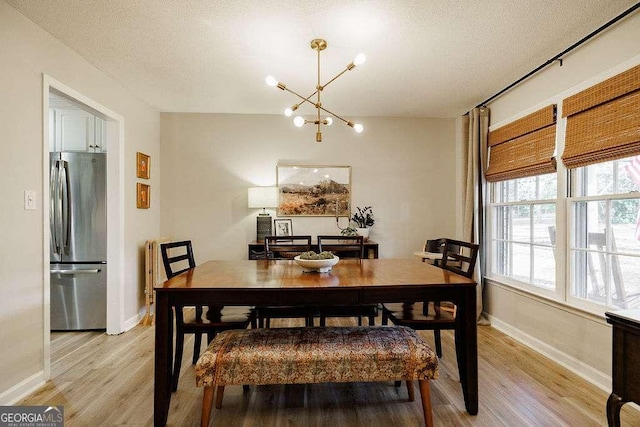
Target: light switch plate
30	200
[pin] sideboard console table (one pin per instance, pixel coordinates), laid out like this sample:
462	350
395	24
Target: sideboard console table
625	366
255	249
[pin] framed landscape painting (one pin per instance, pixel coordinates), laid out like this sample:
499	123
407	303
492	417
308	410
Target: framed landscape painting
314	190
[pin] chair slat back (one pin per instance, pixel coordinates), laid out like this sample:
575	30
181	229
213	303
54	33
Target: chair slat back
286	247
435	245
342	246
173	263
459	257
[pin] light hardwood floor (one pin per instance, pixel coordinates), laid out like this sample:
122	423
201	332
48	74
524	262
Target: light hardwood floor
108	380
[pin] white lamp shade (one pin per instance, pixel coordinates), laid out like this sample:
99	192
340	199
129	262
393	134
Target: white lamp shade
263	197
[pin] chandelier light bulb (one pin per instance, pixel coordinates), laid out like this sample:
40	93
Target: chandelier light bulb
288	112
360	59
358	128
298	121
271	81
328	121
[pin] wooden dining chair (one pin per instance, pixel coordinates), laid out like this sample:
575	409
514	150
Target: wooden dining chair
345	247
178	258
342	246
285	247
434	246
458	257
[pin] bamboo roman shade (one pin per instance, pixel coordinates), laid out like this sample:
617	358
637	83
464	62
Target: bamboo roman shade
603	122
524	147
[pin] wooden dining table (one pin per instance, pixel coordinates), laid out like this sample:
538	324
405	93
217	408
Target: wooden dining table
284	283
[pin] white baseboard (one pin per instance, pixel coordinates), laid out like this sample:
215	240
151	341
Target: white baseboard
131	322
598	378
22	389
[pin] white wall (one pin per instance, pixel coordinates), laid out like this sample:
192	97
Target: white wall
404	168
578	340
26	52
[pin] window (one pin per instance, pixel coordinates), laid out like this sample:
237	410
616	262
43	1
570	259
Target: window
522	230
604	233
592	202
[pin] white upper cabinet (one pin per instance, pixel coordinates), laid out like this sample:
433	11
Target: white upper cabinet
100	135
76	130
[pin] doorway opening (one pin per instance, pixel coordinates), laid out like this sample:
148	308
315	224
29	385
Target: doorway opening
75	123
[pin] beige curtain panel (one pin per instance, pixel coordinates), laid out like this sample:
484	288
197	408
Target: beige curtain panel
475	127
524	147
603	121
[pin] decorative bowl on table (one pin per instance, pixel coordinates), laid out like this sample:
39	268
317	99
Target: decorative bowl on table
320	265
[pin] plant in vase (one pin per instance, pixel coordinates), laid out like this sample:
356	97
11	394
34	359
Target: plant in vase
364	219
349	231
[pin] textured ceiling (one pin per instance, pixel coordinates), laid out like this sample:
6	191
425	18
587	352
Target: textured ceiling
430	58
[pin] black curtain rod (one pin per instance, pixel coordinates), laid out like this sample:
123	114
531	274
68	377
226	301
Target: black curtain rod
559	56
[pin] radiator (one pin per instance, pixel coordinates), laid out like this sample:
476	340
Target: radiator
154	275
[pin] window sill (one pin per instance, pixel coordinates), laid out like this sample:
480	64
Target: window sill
551	302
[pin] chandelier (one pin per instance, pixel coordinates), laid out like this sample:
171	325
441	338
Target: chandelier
318	45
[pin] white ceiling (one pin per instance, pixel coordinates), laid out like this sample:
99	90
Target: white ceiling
429	58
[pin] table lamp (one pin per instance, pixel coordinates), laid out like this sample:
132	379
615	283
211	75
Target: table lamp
263	197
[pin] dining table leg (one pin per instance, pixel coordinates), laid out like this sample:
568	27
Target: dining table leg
163	356
466	337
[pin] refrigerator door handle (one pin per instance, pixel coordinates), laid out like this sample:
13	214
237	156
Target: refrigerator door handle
53	203
58	207
73	272
65	218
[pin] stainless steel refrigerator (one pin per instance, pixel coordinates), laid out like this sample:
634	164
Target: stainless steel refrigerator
78	219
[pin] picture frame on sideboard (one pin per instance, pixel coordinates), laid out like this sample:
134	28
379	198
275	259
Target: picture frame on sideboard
283	227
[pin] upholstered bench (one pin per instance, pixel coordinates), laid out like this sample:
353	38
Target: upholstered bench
315	355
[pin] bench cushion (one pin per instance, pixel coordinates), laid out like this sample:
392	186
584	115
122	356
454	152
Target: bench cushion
314	355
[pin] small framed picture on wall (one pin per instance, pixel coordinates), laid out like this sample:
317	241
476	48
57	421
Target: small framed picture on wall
283	227
143	196
142	165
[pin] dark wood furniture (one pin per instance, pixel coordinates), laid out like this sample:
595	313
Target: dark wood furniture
435	246
345	247
342	246
285	247
459	257
255	250
274	283
626	370
190	319
432	251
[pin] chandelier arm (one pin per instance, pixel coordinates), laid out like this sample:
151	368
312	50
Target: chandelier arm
308	97
338	75
334	114
302	97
